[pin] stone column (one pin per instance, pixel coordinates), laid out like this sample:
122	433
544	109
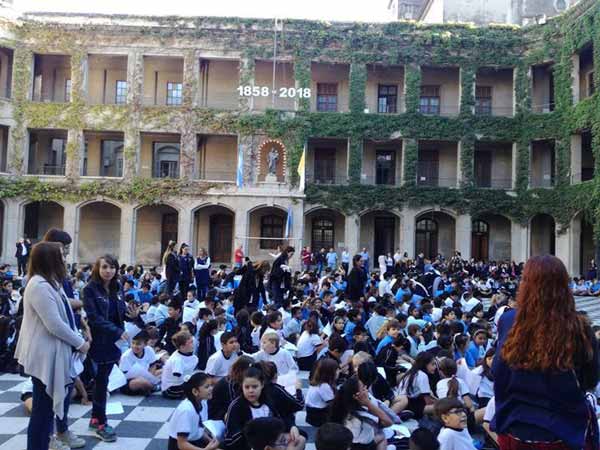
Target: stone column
71	226
514	163
189	146
519	242
247	75
18	142
463	235
352	233
131	144
407	242
74	149
127	242
575	159
459	165
184	226
563	248
240	231
14	219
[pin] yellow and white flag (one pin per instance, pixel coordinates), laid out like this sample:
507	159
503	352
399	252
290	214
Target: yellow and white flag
301	169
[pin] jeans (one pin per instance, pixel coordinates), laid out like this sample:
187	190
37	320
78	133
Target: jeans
41	420
100	386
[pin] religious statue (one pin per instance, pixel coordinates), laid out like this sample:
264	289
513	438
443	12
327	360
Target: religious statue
272	158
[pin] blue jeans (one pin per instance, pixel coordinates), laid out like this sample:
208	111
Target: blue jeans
42	417
100	386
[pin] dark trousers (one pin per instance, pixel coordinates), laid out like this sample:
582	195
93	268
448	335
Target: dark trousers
277	292
22	265
171	283
100	386
345	267
42	416
184	285
62	425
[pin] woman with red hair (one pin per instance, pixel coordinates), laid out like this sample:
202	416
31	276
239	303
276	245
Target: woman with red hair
547	357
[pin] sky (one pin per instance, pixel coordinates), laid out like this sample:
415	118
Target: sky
334	10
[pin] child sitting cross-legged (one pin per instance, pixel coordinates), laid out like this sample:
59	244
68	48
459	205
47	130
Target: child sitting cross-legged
141	366
181	363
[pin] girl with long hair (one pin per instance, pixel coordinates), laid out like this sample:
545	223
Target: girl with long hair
186	267
450	385
546	359
228	388
170	261
206	342
309	345
321	391
251	288
414	385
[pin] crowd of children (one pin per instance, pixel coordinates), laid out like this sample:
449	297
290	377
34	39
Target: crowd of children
405	364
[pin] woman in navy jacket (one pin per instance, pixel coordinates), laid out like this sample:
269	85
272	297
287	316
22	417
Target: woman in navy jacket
278	274
172	271
186	267
106	315
546	359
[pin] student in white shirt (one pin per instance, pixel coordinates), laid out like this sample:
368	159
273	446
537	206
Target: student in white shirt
185	425
309	345
454	435
219	362
321	391
451	386
490	412
414	388
271	351
180	364
139	364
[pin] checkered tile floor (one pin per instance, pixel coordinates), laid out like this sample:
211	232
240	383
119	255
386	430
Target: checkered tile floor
142	426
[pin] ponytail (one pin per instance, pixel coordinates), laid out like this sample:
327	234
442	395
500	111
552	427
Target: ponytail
448	368
452	387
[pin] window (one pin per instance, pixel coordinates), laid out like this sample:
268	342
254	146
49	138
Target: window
591	87
387	96
271	227
385	167
327	97
479	226
430	100
67	90
166	160
322	233
483	100
56	158
121	92
325	165
174	93
111	164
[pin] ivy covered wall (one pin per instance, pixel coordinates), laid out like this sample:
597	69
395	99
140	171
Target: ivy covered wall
302	42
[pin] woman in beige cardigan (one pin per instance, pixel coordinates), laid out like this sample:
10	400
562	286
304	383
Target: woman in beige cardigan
47	340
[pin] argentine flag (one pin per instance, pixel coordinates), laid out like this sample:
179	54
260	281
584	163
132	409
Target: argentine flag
240	167
289	223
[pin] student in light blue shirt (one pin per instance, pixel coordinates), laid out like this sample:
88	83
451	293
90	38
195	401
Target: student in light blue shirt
332	258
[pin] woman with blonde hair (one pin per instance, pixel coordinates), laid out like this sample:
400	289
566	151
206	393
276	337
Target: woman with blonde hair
170	261
546	360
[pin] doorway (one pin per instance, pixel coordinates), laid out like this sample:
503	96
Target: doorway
384	235
221	229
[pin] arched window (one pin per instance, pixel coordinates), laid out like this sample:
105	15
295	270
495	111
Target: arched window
271	226
426	225
323	233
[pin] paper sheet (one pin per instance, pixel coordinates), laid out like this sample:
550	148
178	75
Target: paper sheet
114	408
116	379
400	429
288	381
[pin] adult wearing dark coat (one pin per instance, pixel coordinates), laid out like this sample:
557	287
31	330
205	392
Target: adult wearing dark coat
22	255
251	287
186	267
280	275
356	280
172	271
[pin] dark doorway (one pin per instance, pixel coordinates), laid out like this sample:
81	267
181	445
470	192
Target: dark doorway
427	238
221	229
385	167
322	233
384	235
168	231
325	165
429	168
480	240
483	169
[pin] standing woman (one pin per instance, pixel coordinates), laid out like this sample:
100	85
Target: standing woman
47	341
251	287
202	273
356	280
546	359
171	263
279	274
186	266
106	313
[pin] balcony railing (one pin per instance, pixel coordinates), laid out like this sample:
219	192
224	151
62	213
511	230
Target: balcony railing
373	179
423	180
322	179
49	169
542	108
484	110
494	183
215	175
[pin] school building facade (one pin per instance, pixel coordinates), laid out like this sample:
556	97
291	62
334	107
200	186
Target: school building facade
129	131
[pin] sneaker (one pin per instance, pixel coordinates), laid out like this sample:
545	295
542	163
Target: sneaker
71	439
94	424
56	444
106	433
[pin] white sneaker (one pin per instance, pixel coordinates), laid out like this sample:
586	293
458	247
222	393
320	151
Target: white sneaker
56	444
71	440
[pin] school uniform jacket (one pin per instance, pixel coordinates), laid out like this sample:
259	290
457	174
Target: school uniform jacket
287	404
238	415
224	392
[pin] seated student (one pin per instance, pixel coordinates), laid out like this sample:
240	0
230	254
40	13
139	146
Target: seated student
270	351
293	327
321	391
220	362
287	405
309	345
256	320
180	364
190	300
362	341
185	426
128	288
477	347
206	342
252	404
391	356
144	294
268	433
454	434
228	388
333	436
158	311
450	386
423	439
484	390
353	408
414	386
336	347
389	331
171	325
490	412
139	364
